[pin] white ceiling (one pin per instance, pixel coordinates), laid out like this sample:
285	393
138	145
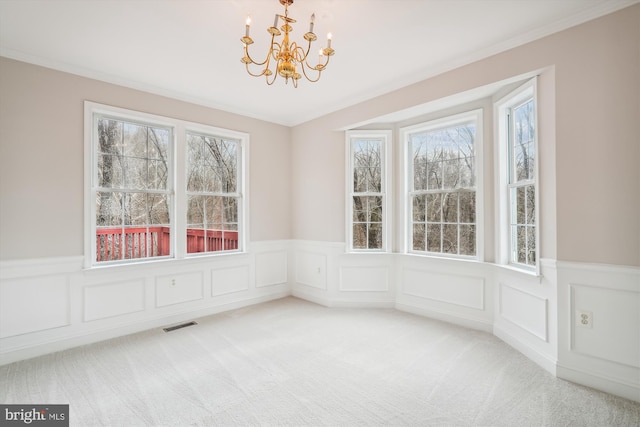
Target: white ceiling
191	50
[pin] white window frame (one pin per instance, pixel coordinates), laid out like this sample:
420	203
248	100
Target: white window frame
176	182
504	159
386	186
407	169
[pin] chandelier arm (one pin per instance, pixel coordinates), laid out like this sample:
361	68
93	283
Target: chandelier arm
246	52
255	75
275	50
304	71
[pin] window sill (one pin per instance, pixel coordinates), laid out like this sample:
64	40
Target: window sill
165	261
524	271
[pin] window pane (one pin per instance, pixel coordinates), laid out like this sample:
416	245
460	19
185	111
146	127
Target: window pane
467	240
230	210
521	243
467	207
158	143
360	180
367	165
158	209
531	204
450	207
434	237
359	236
531	245
195	163
435	175
450	239
451	174
360	208
157	174
523	140
375	209
520	205
419	164
434	207
375	236
419	208
419	231
110	174
195	210
467	172
374	179
109	209
135	209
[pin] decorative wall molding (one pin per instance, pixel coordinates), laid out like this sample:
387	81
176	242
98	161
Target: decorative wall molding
52	304
311	269
229	280
525	310
452	288
364	279
271	268
179	288
535	315
113	299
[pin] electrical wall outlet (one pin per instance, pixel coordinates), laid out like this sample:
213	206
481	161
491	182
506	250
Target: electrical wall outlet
584	319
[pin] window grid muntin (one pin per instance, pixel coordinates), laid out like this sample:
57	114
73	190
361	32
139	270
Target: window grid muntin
441	189
126	191
380	236
226	228
514	182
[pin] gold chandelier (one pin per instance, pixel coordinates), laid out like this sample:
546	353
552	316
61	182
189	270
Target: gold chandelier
287	58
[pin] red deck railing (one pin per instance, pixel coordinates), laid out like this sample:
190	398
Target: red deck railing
115	243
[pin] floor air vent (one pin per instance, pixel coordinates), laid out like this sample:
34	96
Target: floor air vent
184	325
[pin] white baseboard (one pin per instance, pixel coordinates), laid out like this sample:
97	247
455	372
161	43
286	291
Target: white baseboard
454	318
307	296
544	361
600	382
35	349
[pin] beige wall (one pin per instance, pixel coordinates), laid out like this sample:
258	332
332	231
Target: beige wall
590	150
41	158
589	97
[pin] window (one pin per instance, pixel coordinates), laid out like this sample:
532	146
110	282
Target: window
132	189
142	204
443	159
212	191
517	133
368	190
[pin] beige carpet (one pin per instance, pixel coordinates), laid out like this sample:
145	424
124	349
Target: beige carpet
291	362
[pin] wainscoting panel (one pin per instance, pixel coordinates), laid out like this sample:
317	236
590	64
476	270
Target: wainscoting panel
33	304
527	312
604	354
611	335
271	268
364	279
49	305
228	280
178	288
530	312
113	299
311	268
450	288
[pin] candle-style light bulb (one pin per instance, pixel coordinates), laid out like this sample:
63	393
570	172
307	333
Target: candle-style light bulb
329	40
275	21
320	56
247	27
313	18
